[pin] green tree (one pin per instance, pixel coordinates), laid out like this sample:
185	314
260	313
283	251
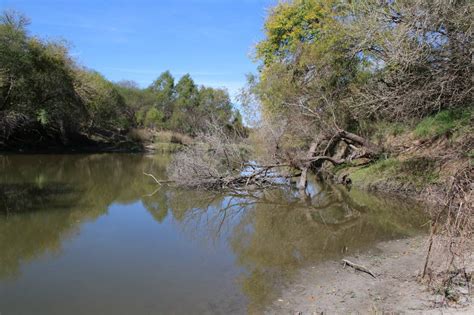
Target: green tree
290	24
185	105
105	105
153	118
38	78
214	105
44	92
164	92
137	100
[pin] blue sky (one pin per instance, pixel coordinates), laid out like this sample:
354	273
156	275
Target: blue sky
138	39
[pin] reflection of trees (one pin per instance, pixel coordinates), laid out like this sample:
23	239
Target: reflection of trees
272	232
25	237
275	232
274	241
44	199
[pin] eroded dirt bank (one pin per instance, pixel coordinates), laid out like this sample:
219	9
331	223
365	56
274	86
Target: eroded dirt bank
331	288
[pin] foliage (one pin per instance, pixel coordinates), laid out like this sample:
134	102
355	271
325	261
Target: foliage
418	54
328	65
43	90
290	24
38	77
182	107
105	106
153	118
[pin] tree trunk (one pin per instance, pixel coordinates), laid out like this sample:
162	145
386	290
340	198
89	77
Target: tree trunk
306	165
312	161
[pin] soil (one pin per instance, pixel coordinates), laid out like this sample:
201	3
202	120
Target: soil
331	288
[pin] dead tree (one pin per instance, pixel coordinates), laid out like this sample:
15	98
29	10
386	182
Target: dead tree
359	147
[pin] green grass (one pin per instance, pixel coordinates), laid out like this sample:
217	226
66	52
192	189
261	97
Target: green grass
443	123
418	172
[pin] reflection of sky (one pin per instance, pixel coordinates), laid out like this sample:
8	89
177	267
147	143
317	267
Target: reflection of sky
312	189
116	249
126	263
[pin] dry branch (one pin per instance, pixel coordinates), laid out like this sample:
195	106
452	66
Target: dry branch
358	267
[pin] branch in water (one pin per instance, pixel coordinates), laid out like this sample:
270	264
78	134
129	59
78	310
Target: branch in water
159	182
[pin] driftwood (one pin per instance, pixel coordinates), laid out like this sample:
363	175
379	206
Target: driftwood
358	267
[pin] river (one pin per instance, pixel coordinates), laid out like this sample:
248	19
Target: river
90	234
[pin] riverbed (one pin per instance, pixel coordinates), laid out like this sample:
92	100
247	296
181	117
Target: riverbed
91	234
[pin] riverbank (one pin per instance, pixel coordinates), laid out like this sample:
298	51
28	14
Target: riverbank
96	141
422	162
431	162
331	288
40	140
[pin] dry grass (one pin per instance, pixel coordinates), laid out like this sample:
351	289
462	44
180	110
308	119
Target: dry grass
140	135
173	137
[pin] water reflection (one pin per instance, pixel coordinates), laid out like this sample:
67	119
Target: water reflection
46	200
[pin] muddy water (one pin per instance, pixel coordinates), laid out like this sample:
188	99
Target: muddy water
90	234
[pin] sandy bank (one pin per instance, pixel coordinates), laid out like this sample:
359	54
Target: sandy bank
330	288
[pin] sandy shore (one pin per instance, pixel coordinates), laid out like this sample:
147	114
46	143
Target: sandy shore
331	288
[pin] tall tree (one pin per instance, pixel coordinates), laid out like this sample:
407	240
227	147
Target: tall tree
164	90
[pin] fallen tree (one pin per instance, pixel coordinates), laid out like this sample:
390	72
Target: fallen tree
322	149
219	161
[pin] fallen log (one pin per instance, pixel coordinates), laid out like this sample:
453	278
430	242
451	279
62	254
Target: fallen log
358	267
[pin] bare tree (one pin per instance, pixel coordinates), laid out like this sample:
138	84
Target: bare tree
218	160
420	55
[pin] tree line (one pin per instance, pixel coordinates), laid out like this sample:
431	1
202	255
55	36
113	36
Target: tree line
45	93
180	106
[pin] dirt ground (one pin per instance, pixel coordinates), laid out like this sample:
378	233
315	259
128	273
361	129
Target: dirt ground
331	288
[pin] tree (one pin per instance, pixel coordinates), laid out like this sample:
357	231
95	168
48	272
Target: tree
163	89
137	100
38	79
213	105
288	25
45	93
185	106
105	105
419	55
